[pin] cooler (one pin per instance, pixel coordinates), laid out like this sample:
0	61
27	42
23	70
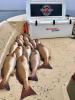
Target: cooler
50	28
47	19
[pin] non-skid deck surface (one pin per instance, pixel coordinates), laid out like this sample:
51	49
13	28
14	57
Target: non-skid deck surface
50	83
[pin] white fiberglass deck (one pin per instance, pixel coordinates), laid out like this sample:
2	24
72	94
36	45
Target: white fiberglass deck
52	83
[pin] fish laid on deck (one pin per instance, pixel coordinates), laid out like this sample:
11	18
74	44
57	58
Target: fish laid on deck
22	74
44	53
7	69
34	62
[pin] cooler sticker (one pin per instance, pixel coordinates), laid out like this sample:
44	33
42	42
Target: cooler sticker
46	10
53	29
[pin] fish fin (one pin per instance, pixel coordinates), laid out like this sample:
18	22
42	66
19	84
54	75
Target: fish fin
30	66
45	66
4	86
27	92
73	77
49	57
34	78
12	74
42	59
1	84
7	86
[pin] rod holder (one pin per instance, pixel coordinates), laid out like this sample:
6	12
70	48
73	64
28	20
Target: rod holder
53	22
36	23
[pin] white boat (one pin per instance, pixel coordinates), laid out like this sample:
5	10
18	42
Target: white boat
52	84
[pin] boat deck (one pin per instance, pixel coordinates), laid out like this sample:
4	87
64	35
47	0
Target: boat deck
51	83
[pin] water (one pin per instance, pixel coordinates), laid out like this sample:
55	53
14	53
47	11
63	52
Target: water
5	14
71	13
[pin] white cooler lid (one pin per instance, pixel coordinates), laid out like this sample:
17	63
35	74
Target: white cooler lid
49	21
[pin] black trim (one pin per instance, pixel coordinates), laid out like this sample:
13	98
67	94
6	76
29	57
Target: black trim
36	23
70	21
53	22
38	10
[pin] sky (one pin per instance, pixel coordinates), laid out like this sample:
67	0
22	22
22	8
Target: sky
70	4
20	4
12	4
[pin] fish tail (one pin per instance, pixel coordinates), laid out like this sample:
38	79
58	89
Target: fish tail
46	66
7	86
4	85
27	92
34	78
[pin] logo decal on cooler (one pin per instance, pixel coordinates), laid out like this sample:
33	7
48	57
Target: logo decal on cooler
53	29
46	10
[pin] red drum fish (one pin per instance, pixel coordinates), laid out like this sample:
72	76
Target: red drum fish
35	62
7	69
22	74
44	53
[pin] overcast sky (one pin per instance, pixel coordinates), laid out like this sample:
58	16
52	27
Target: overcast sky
70	4
12	4
20	4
